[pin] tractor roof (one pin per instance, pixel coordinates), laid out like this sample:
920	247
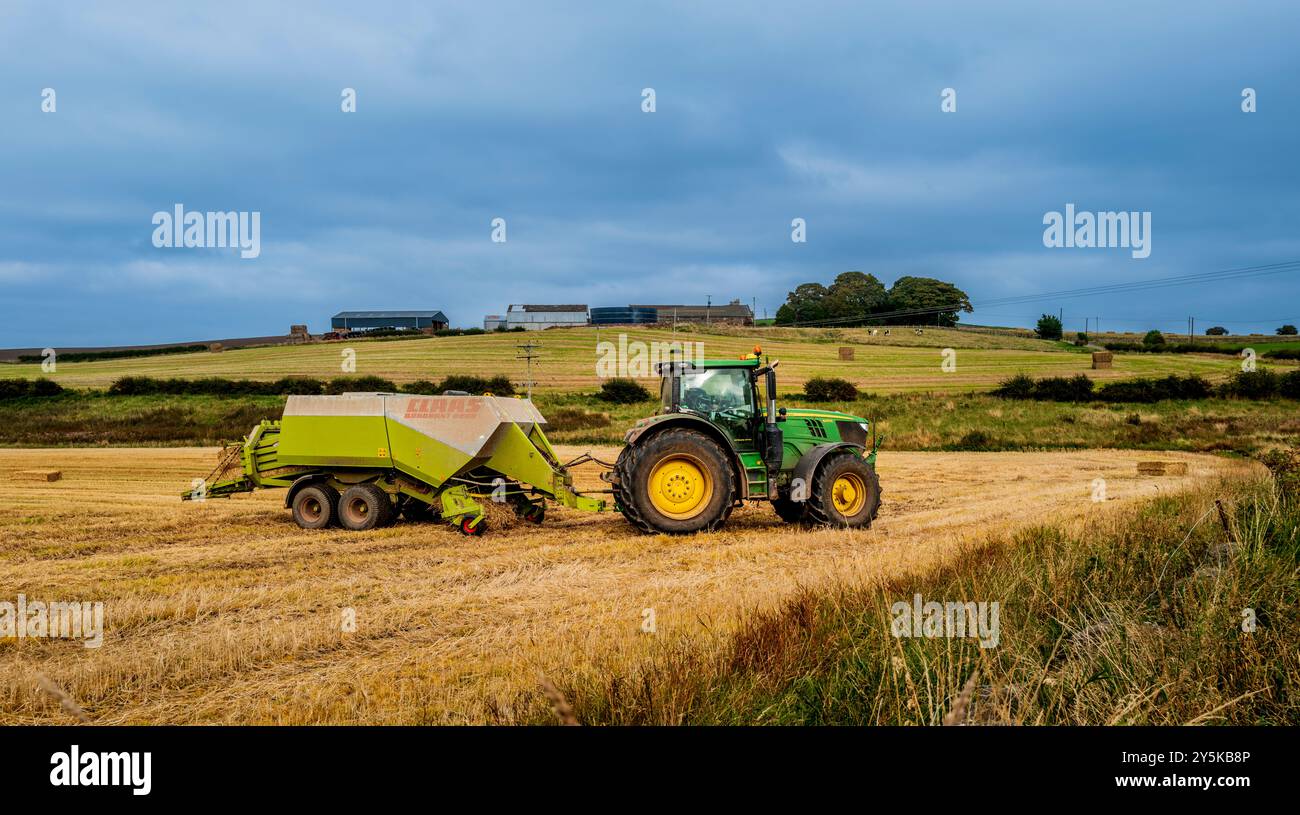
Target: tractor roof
748	362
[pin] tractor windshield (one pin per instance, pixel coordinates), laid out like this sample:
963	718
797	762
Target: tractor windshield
715	390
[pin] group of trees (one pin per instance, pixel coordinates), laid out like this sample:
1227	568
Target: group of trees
860	299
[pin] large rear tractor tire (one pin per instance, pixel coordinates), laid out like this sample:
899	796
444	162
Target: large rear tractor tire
315	506
845	492
365	506
677	482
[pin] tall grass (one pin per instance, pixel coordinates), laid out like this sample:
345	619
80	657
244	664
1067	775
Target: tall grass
1133	620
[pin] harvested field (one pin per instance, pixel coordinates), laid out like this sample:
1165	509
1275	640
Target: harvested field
225	612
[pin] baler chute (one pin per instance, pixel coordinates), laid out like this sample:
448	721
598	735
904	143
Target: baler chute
362	458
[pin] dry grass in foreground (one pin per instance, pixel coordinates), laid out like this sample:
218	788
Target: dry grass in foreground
1170	612
227	612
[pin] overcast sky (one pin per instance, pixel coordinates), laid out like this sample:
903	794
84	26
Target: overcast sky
532	112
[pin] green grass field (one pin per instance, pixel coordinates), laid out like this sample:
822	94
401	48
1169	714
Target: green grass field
900	362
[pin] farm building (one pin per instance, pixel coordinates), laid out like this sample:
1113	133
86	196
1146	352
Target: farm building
624	315
734	312
538	317
361	320
493	322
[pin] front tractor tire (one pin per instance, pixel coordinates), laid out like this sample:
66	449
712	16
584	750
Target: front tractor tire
677	482
315	506
845	492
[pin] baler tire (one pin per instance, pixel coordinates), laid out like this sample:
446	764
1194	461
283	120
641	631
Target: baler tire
638	462
473	531
374	509
316	506
848	467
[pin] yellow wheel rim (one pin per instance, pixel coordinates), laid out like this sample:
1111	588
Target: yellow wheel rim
849	494
680	487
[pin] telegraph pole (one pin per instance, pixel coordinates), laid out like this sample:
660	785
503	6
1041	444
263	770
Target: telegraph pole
708	309
529	356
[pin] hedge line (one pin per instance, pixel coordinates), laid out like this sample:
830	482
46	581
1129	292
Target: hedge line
287	386
1196	348
1262	384
126	353
301	385
19	388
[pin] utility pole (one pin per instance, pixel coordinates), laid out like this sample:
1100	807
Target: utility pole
528	355
708	309
1191	329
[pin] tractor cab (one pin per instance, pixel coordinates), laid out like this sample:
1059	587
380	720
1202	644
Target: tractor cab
726	393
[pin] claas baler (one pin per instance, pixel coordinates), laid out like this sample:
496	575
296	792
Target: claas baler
361	459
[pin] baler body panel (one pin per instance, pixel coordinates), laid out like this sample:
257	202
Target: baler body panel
334	431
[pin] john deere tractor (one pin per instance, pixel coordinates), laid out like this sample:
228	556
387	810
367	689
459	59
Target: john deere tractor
718	439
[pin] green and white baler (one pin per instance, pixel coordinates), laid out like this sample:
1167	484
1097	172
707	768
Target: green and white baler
360	459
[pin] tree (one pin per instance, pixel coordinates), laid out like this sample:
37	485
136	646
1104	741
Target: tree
923	294
854	294
1049	327
1216	331
1153	337
1288	330
805	304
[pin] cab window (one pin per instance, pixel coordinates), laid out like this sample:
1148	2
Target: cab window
714	390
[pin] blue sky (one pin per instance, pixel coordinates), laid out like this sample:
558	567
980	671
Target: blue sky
532	113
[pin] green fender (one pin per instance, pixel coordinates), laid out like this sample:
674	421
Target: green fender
808	462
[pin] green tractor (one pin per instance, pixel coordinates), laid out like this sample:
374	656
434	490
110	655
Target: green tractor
714	443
